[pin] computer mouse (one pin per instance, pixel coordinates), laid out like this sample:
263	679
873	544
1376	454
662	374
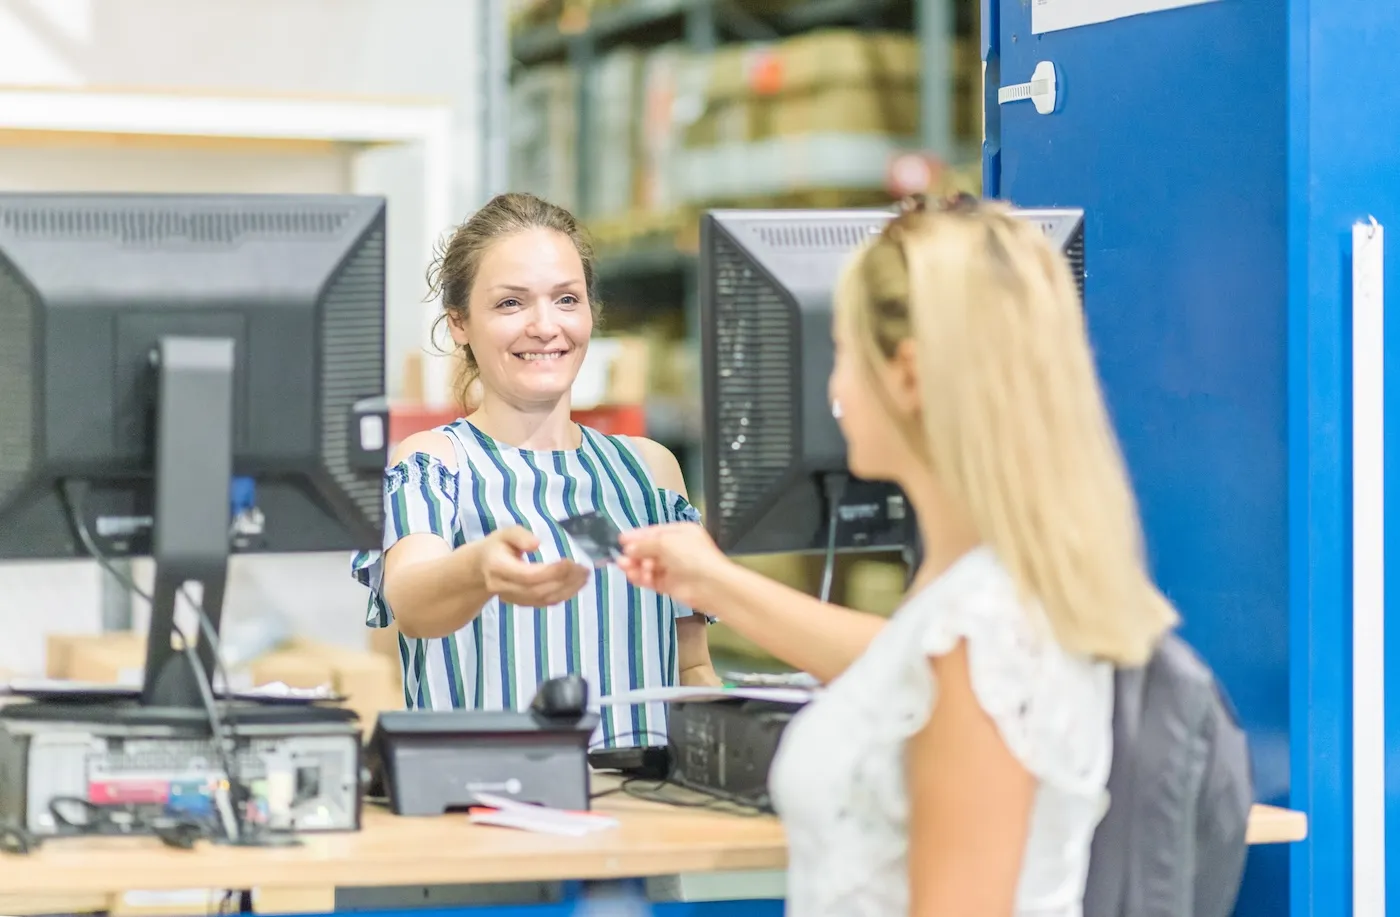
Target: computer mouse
565	697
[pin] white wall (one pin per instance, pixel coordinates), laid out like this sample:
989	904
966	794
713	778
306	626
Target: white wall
411	48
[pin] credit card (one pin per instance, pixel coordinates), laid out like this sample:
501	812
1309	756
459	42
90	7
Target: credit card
596	536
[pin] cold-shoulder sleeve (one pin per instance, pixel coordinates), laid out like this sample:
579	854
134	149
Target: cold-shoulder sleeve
676	508
420	498
1052	708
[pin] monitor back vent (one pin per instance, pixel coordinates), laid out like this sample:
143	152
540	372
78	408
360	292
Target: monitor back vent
842	235
17	367
756	427
158	226
353	313
1074	254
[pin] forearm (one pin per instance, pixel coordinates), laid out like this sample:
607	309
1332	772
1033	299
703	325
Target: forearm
816	637
693	652
438	596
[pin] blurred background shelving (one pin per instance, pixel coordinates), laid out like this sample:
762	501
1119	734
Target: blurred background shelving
640	114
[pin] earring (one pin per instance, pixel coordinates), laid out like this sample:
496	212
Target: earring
836	409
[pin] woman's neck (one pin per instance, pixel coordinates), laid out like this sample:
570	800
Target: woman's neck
546	427
945	532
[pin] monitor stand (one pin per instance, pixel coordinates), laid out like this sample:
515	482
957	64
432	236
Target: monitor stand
190	536
190	544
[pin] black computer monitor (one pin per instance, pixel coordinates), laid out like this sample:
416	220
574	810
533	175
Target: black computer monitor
771	445
186	376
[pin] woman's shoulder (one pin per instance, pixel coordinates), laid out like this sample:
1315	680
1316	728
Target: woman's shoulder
1009	638
661	462
432	443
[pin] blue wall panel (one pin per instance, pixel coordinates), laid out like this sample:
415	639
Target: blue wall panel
1319	486
1344	156
1173	136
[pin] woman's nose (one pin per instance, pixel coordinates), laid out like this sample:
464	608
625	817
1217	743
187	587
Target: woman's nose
543	322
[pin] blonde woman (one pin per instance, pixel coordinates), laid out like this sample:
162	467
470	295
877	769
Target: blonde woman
956	762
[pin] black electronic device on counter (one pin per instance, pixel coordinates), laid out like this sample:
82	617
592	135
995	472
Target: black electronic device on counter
433	761
645	762
725	747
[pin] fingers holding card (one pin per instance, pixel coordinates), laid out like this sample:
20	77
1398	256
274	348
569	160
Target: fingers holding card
595	535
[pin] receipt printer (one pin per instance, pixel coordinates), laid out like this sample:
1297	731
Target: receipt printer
433	761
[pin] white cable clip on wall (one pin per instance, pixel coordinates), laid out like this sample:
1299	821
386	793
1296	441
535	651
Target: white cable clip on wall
1040	90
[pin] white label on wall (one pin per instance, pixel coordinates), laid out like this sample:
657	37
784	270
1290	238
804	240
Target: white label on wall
1053	15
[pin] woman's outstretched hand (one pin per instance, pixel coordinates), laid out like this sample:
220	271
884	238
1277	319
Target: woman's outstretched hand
679	560
506	572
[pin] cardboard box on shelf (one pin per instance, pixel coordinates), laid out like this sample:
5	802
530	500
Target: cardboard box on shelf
827	109
385	642
630	370
523	14
872	79
370	681
120	659
874	585
59	650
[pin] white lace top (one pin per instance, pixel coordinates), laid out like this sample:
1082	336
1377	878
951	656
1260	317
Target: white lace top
839	778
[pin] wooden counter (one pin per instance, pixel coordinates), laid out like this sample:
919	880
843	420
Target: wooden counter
653	839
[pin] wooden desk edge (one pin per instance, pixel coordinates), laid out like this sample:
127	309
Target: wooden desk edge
291	890
1274	825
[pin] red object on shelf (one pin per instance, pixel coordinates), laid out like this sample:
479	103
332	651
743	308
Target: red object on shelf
615	420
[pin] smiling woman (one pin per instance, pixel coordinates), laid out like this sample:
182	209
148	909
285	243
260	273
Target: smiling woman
490	595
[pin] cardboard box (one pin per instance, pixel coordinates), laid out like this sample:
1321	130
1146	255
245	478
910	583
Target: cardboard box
829	81
876	586
61	648
385	642
370	681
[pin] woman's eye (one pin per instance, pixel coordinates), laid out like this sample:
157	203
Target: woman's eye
508	304
568	299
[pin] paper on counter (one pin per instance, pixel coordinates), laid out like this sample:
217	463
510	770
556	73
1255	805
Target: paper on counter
787	695
510	813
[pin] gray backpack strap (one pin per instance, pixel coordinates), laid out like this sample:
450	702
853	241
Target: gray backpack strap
1225	804
1111	878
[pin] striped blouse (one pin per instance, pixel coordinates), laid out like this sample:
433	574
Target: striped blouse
617	636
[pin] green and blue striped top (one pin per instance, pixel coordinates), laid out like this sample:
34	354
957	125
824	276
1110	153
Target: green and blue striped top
617	636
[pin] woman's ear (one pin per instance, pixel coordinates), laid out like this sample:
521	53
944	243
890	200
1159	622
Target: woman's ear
903	377
457	327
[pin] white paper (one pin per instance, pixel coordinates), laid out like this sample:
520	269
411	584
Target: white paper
512	813
1053	15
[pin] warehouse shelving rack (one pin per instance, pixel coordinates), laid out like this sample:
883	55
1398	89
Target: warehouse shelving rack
662	272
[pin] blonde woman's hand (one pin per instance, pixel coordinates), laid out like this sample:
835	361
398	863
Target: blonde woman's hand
678	559
507	573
